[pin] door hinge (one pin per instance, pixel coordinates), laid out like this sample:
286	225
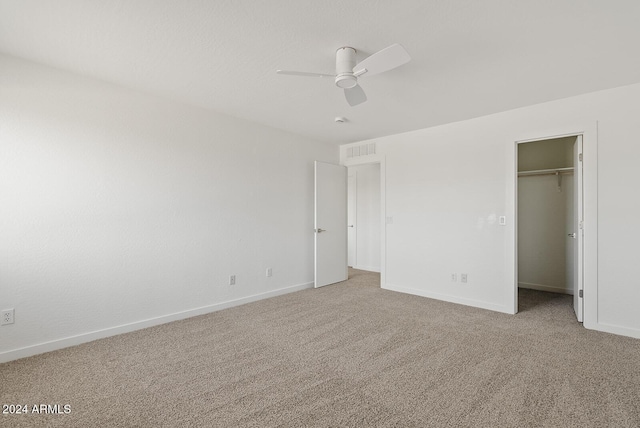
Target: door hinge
581	293
580	157
580	225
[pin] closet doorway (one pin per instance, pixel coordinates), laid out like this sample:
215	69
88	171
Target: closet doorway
549	217
363	217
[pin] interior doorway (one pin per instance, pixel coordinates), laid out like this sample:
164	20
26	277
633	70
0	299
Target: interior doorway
364	217
549	218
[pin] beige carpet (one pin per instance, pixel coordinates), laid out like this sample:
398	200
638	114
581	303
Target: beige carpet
348	354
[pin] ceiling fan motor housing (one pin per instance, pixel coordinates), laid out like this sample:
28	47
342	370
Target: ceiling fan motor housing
345	61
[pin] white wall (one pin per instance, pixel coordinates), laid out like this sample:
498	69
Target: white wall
446	185
546	154
543	225
367	251
121	210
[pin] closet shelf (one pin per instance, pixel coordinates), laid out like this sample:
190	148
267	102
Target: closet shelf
553	171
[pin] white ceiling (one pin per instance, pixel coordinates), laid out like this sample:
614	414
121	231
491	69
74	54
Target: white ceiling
470	57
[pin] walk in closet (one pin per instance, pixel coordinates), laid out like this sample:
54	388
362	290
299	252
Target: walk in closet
546	218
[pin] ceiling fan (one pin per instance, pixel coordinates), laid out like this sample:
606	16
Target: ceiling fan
347	71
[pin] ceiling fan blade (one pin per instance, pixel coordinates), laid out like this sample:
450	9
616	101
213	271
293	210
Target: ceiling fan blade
381	61
355	95
303	73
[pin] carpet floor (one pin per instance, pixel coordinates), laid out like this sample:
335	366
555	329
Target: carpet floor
346	355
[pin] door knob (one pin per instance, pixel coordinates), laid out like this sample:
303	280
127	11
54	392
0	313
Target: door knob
320	230
350	225
573	235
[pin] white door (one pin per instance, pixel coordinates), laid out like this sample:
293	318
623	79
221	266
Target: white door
577	235
330	224
352	207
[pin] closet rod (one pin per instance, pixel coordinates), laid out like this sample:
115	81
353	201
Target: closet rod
546	171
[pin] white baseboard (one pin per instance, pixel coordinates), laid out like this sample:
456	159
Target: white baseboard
451	299
66	342
614	329
549	288
368	268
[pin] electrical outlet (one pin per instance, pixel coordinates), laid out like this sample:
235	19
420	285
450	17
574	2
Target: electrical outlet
7	317
463	277
269	272
454	277
232	280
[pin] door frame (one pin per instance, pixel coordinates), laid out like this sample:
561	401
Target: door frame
589	132
377	159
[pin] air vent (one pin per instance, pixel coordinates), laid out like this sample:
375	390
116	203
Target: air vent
363	150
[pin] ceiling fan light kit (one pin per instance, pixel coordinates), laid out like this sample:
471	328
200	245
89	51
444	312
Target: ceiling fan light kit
347	71
346	80
345	62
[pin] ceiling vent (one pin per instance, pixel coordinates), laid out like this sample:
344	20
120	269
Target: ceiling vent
363	150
